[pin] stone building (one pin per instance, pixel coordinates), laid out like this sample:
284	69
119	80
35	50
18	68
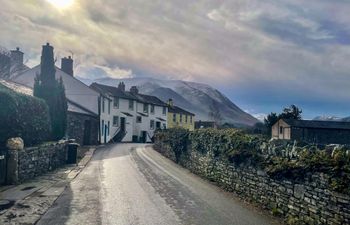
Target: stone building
312	131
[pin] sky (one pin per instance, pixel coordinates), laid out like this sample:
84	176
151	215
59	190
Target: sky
264	55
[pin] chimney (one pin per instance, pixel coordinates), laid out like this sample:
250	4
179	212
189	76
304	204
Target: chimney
170	102
47	65
16	58
134	90
67	65
121	86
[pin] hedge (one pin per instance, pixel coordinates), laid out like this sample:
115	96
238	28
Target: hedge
238	147
23	116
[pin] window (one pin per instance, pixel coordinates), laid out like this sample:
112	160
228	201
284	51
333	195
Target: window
152	109
164	110
174	117
102	128
158	124
109	107
151	124
145	108
116	121
131	104
164	126
116	102
281	130
108	129
186	119
191	119
139	119
103	105
180	118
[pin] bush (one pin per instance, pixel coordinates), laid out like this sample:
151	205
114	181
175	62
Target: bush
238	147
233	144
23	116
177	138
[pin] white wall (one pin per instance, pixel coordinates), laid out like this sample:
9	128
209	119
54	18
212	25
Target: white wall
133	128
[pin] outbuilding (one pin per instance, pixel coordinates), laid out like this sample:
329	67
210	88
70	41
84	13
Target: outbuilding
312	131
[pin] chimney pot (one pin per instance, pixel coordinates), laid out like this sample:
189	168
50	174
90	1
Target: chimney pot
170	102
121	86
134	90
67	65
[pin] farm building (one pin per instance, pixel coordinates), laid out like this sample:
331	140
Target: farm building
312	131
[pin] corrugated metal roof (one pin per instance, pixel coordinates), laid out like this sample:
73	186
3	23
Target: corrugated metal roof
318	124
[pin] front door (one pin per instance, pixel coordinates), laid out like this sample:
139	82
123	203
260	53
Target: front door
105	133
122	124
143	136
3	166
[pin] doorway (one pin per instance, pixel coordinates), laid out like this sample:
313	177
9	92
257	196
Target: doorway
87	133
122	124
143	136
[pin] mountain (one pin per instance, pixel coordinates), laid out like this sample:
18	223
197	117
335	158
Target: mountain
194	97
332	118
327	118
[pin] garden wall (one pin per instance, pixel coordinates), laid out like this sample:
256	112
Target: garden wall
31	162
306	201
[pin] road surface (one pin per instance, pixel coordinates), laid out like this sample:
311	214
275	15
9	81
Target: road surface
131	184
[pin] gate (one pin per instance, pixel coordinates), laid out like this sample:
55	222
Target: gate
3	166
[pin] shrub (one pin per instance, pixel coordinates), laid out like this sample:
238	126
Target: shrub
22	116
177	138
232	144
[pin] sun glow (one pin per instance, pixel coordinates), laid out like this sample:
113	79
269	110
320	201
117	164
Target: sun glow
62	4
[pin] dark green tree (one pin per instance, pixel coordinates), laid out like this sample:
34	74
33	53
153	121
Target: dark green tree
291	112
53	92
270	120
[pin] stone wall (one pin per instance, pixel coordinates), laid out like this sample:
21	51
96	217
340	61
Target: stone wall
83	128
307	201
38	160
30	162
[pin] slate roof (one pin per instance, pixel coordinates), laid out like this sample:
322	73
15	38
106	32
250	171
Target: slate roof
176	109
116	92
318	124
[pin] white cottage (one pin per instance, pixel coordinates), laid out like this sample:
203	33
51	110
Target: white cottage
128	116
83	114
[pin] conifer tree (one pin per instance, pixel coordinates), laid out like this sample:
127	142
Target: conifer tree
53	92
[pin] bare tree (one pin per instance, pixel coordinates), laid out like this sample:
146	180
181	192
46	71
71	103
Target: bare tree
214	113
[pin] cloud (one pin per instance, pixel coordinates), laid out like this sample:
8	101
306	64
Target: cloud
295	45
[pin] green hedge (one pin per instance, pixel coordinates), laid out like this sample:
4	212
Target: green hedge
238	147
23	116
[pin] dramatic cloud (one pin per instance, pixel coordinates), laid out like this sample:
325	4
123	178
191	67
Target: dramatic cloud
264	54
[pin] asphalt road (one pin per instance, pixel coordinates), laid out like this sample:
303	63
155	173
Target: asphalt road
130	184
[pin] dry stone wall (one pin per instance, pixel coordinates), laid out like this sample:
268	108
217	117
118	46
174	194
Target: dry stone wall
307	201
